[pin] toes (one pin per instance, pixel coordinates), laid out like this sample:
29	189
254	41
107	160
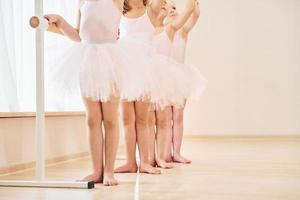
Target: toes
110	182
181	159
155	171
149	170
169	166
106	183
165	165
92	177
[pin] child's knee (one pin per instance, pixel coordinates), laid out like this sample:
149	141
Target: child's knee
162	122
151	119
93	120
128	119
111	123
142	120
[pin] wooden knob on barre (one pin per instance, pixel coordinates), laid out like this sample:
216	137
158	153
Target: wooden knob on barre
43	24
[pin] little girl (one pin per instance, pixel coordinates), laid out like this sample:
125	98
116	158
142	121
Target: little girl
178	53
179	43
136	25
95	61
162	41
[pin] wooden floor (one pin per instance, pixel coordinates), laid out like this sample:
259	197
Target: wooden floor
222	169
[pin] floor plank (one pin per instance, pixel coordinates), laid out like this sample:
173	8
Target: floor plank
222	169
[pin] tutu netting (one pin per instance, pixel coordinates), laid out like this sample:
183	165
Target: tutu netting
124	69
85	68
164	80
134	72
174	82
170	86
135	35
101	71
196	81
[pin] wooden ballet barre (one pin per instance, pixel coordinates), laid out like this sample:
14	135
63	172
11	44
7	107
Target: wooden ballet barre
43	24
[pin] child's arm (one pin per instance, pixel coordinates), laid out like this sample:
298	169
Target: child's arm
189	25
183	17
64	26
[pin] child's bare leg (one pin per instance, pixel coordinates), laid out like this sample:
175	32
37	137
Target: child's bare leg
110	112
169	139
152	138
128	119
178	135
94	121
163	125
142	128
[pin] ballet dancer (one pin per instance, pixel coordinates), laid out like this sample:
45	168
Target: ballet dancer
180	42
95	59
162	118
139	19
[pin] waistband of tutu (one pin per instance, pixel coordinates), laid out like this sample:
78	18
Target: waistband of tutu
98	42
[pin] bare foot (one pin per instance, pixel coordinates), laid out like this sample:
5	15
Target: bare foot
180	159
163	164
169	159
148	169
127	168
109	180
95	177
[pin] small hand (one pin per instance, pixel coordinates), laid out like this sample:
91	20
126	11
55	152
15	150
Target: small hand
53	19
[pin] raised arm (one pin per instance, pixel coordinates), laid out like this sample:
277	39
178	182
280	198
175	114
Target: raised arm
189	25
184	16
67	29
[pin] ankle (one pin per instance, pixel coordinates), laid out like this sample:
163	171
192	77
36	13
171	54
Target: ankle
161	158
176	154
143	163
108	173
98	172
131	164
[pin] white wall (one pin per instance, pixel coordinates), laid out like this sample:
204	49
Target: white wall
249	50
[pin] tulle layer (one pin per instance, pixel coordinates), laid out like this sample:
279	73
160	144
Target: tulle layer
99	72
173	83
125	69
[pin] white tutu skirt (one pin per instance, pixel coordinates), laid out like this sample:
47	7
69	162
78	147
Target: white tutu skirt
165	81
134	73
174	83
170	85
124	69
156	72
99	72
